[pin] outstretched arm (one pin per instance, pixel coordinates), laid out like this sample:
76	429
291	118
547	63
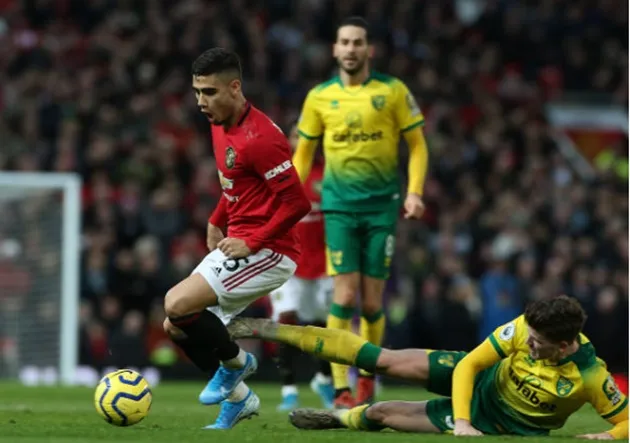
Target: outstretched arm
482	357
501	343
609	402
618	432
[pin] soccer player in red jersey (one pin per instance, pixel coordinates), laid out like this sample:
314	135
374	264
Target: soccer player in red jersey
305	298
251	236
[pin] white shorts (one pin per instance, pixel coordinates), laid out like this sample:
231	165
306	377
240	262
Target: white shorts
309	298
238	282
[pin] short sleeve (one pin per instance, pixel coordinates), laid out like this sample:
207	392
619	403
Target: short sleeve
603	393
408	114
270	158
310	124
505	339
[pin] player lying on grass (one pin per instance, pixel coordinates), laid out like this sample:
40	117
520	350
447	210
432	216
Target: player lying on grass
526	379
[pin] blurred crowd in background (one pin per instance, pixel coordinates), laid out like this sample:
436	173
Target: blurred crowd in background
102	87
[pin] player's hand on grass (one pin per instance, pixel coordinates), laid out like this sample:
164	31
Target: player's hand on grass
213	237
464	428
234	247
414	207
600	436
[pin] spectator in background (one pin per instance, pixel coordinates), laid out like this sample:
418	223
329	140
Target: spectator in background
127	341
614	160
499	293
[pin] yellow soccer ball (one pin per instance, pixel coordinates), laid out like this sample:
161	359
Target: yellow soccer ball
123	398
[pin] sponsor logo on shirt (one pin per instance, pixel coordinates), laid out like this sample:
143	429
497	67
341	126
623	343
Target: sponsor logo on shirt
273	172
225	182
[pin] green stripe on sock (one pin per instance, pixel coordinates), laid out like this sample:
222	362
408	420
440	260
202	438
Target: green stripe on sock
369	425
368	356
341	311
373	318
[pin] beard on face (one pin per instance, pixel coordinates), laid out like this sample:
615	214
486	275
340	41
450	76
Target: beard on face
355	69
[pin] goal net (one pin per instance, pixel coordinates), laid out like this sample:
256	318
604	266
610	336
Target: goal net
39	274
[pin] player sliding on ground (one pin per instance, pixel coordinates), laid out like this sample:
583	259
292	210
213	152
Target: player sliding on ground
262	200
359	116
526	379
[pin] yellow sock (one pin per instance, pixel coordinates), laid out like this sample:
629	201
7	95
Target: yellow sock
340	317
372	330
356	419
333	345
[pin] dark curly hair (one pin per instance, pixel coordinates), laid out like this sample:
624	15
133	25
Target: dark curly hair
557	319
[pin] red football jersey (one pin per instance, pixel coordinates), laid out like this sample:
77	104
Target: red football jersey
254	165
312	262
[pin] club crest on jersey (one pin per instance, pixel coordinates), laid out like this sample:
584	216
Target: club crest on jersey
378	102
564	386
225	182
354	120
230	157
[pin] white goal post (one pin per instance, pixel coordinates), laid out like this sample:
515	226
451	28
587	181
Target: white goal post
16	187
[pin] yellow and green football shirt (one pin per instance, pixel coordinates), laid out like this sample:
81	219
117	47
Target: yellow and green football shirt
361	127
542	394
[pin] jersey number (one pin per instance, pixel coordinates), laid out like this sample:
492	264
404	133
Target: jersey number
232	265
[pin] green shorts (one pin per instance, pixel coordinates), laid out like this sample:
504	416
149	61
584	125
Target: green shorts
491	418
360	242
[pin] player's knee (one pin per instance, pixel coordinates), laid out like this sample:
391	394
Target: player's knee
372	295
175	304
345	296
172	331
345	289
398	364
371	306
406	364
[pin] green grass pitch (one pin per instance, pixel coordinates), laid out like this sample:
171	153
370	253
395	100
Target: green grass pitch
56	415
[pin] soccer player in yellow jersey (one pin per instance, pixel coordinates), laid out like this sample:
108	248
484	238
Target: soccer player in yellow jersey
359	116
526	378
